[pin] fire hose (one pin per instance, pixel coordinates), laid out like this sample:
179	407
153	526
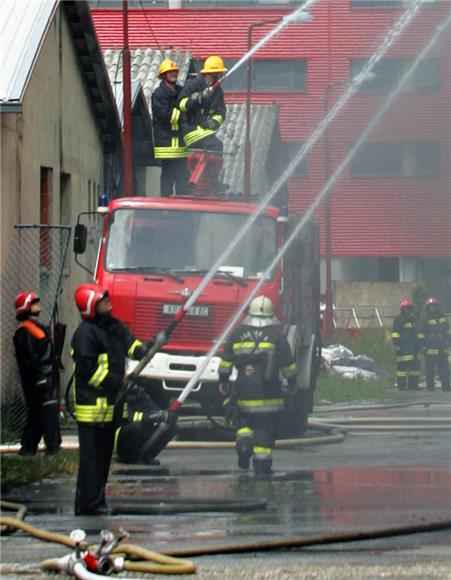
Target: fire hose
108	556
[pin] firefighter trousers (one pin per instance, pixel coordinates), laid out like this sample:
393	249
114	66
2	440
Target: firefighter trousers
256	437
174	177
439	360
42	421
408	373
96	444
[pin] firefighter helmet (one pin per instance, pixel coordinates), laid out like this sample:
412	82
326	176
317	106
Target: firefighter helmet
167	66
214	65
431	300
23	302
406	303
86	297
261	306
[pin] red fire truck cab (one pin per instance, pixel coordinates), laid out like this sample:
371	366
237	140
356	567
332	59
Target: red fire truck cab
153	254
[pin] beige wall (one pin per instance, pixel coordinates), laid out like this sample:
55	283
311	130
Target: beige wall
56	129
383	295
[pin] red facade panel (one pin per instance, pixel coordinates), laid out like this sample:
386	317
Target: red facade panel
389	216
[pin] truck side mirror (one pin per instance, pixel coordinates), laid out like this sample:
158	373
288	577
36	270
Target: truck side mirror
80	238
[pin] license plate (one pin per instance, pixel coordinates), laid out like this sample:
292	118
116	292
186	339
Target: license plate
193	311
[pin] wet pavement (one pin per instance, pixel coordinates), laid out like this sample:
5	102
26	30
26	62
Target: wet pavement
372	480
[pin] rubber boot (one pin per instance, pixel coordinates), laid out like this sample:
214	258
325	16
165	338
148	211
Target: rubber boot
244	449
262	466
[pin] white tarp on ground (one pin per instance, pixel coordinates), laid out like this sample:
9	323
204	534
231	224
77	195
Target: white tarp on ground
341	361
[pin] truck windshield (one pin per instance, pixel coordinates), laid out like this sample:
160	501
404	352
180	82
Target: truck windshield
189	241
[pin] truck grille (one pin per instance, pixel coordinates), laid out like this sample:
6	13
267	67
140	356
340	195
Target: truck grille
149	319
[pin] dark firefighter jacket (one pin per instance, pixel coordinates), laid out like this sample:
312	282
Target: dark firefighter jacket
434	334
258	355
99	349
404	336
37	362
168	140
193	113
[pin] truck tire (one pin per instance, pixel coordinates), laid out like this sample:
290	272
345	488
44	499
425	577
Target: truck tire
294	420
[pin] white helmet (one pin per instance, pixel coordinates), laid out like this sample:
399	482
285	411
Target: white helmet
261	306
261	313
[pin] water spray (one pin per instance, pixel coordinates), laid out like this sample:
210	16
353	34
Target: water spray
166	431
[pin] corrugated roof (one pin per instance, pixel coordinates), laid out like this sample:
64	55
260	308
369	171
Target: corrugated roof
263	129
22	29
145	63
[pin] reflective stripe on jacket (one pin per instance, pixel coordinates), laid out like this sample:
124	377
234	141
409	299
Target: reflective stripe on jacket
99	349
193	113
168	140
259	354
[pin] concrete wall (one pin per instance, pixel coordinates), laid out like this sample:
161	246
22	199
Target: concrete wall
56	129
384	295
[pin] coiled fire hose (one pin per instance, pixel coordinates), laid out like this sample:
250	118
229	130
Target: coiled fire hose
83	560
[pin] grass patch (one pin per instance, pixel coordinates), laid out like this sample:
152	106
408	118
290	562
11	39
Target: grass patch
17	470
338	390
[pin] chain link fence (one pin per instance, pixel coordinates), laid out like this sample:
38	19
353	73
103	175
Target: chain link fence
35	262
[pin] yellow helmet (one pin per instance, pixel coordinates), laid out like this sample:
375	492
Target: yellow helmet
214	64
261	306
167	66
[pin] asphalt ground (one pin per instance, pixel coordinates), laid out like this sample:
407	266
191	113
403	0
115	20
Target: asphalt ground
373	480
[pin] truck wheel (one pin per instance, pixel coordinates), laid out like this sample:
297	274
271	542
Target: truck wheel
294	421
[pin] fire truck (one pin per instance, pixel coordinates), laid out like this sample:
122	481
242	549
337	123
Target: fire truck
153	254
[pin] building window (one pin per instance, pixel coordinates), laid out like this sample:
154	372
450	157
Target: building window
386	3
388	269
45	208
279	75
267	75
398	159
388	72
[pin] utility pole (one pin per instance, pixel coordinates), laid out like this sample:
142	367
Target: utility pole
127	106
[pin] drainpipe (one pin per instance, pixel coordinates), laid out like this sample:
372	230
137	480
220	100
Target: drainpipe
127	104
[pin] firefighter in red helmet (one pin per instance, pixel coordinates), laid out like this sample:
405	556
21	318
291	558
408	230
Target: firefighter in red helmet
435	338
39	375
100	346
405	341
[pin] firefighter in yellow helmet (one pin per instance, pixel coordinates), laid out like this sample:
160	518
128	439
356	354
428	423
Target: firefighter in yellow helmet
201	103
260	351
169	146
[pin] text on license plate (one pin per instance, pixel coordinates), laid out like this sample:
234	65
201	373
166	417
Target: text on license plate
193	311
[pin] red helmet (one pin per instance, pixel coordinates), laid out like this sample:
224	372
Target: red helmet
405	303
23	303
86	297
431	300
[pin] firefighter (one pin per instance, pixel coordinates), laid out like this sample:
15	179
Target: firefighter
100	346
435	338
143	416
168	141
38	368
405	341
259	350
201	103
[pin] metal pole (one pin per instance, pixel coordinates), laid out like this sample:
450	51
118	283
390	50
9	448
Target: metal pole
247	140
127	107
329	314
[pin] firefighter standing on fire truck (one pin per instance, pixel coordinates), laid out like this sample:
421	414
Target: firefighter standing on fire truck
201	103
38	368
435	338
258	350
169	146
405	341
100	346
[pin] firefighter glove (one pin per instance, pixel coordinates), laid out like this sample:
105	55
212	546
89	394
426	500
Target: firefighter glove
206	93
230	411
196	97
210	123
